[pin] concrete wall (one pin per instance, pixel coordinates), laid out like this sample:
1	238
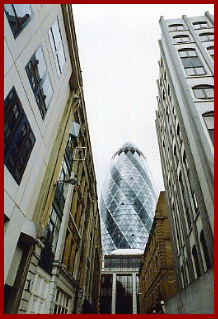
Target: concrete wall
198	298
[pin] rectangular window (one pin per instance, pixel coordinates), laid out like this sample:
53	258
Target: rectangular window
191	62
39	80
204	92
18	136
181	38
209	121
200	25
54	226
176	27
57	46
18	16
207	36
62	302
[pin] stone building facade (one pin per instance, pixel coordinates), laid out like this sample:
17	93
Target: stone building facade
157	281
185	129
51	218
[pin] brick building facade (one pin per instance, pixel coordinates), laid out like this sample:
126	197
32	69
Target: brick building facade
157	281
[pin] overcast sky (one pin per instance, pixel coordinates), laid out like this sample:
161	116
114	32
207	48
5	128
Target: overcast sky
119	54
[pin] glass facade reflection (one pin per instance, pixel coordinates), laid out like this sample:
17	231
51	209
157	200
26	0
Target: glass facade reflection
127	202
124	289
106	294
122	263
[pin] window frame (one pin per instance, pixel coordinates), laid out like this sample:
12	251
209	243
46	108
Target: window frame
21	26
207	35
56	50
200	23
176	27
182	36
209	129
192	63
204	88
19	143
54	225
210	50
37	82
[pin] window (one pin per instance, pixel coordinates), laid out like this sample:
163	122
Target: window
209	122
200	25
57	46
211	51
181	38
18	136
18	16
176	27
39	80
62	302
207	36
205	250
68	156
54	225
196	262
204	92
191	62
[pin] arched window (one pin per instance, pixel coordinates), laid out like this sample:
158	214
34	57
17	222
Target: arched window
209	122
176	27
209	36
196	262
200	25
204	92
205	250
191	62
183	38
211	51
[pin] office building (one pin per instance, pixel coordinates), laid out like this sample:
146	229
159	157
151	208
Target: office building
185	129
127	201
127	208
52	236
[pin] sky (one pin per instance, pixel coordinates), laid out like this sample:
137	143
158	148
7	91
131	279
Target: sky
119	54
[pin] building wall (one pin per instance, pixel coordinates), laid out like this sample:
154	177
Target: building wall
185	143
35	283
201	300
157	281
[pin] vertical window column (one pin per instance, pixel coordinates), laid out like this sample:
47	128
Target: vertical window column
40	81
18	136
57	46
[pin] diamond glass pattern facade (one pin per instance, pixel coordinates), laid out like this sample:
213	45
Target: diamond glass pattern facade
127	201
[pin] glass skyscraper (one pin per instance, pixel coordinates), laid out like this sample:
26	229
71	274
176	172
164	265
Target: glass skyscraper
127	202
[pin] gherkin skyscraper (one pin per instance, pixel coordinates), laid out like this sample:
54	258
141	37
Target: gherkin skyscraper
127	202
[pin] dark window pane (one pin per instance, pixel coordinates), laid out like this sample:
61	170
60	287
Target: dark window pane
18	16
39	80
195	61
18	138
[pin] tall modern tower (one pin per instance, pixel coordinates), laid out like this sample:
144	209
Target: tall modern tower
127	202
185	128
127	208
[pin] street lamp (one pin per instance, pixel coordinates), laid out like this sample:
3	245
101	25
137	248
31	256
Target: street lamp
71	181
